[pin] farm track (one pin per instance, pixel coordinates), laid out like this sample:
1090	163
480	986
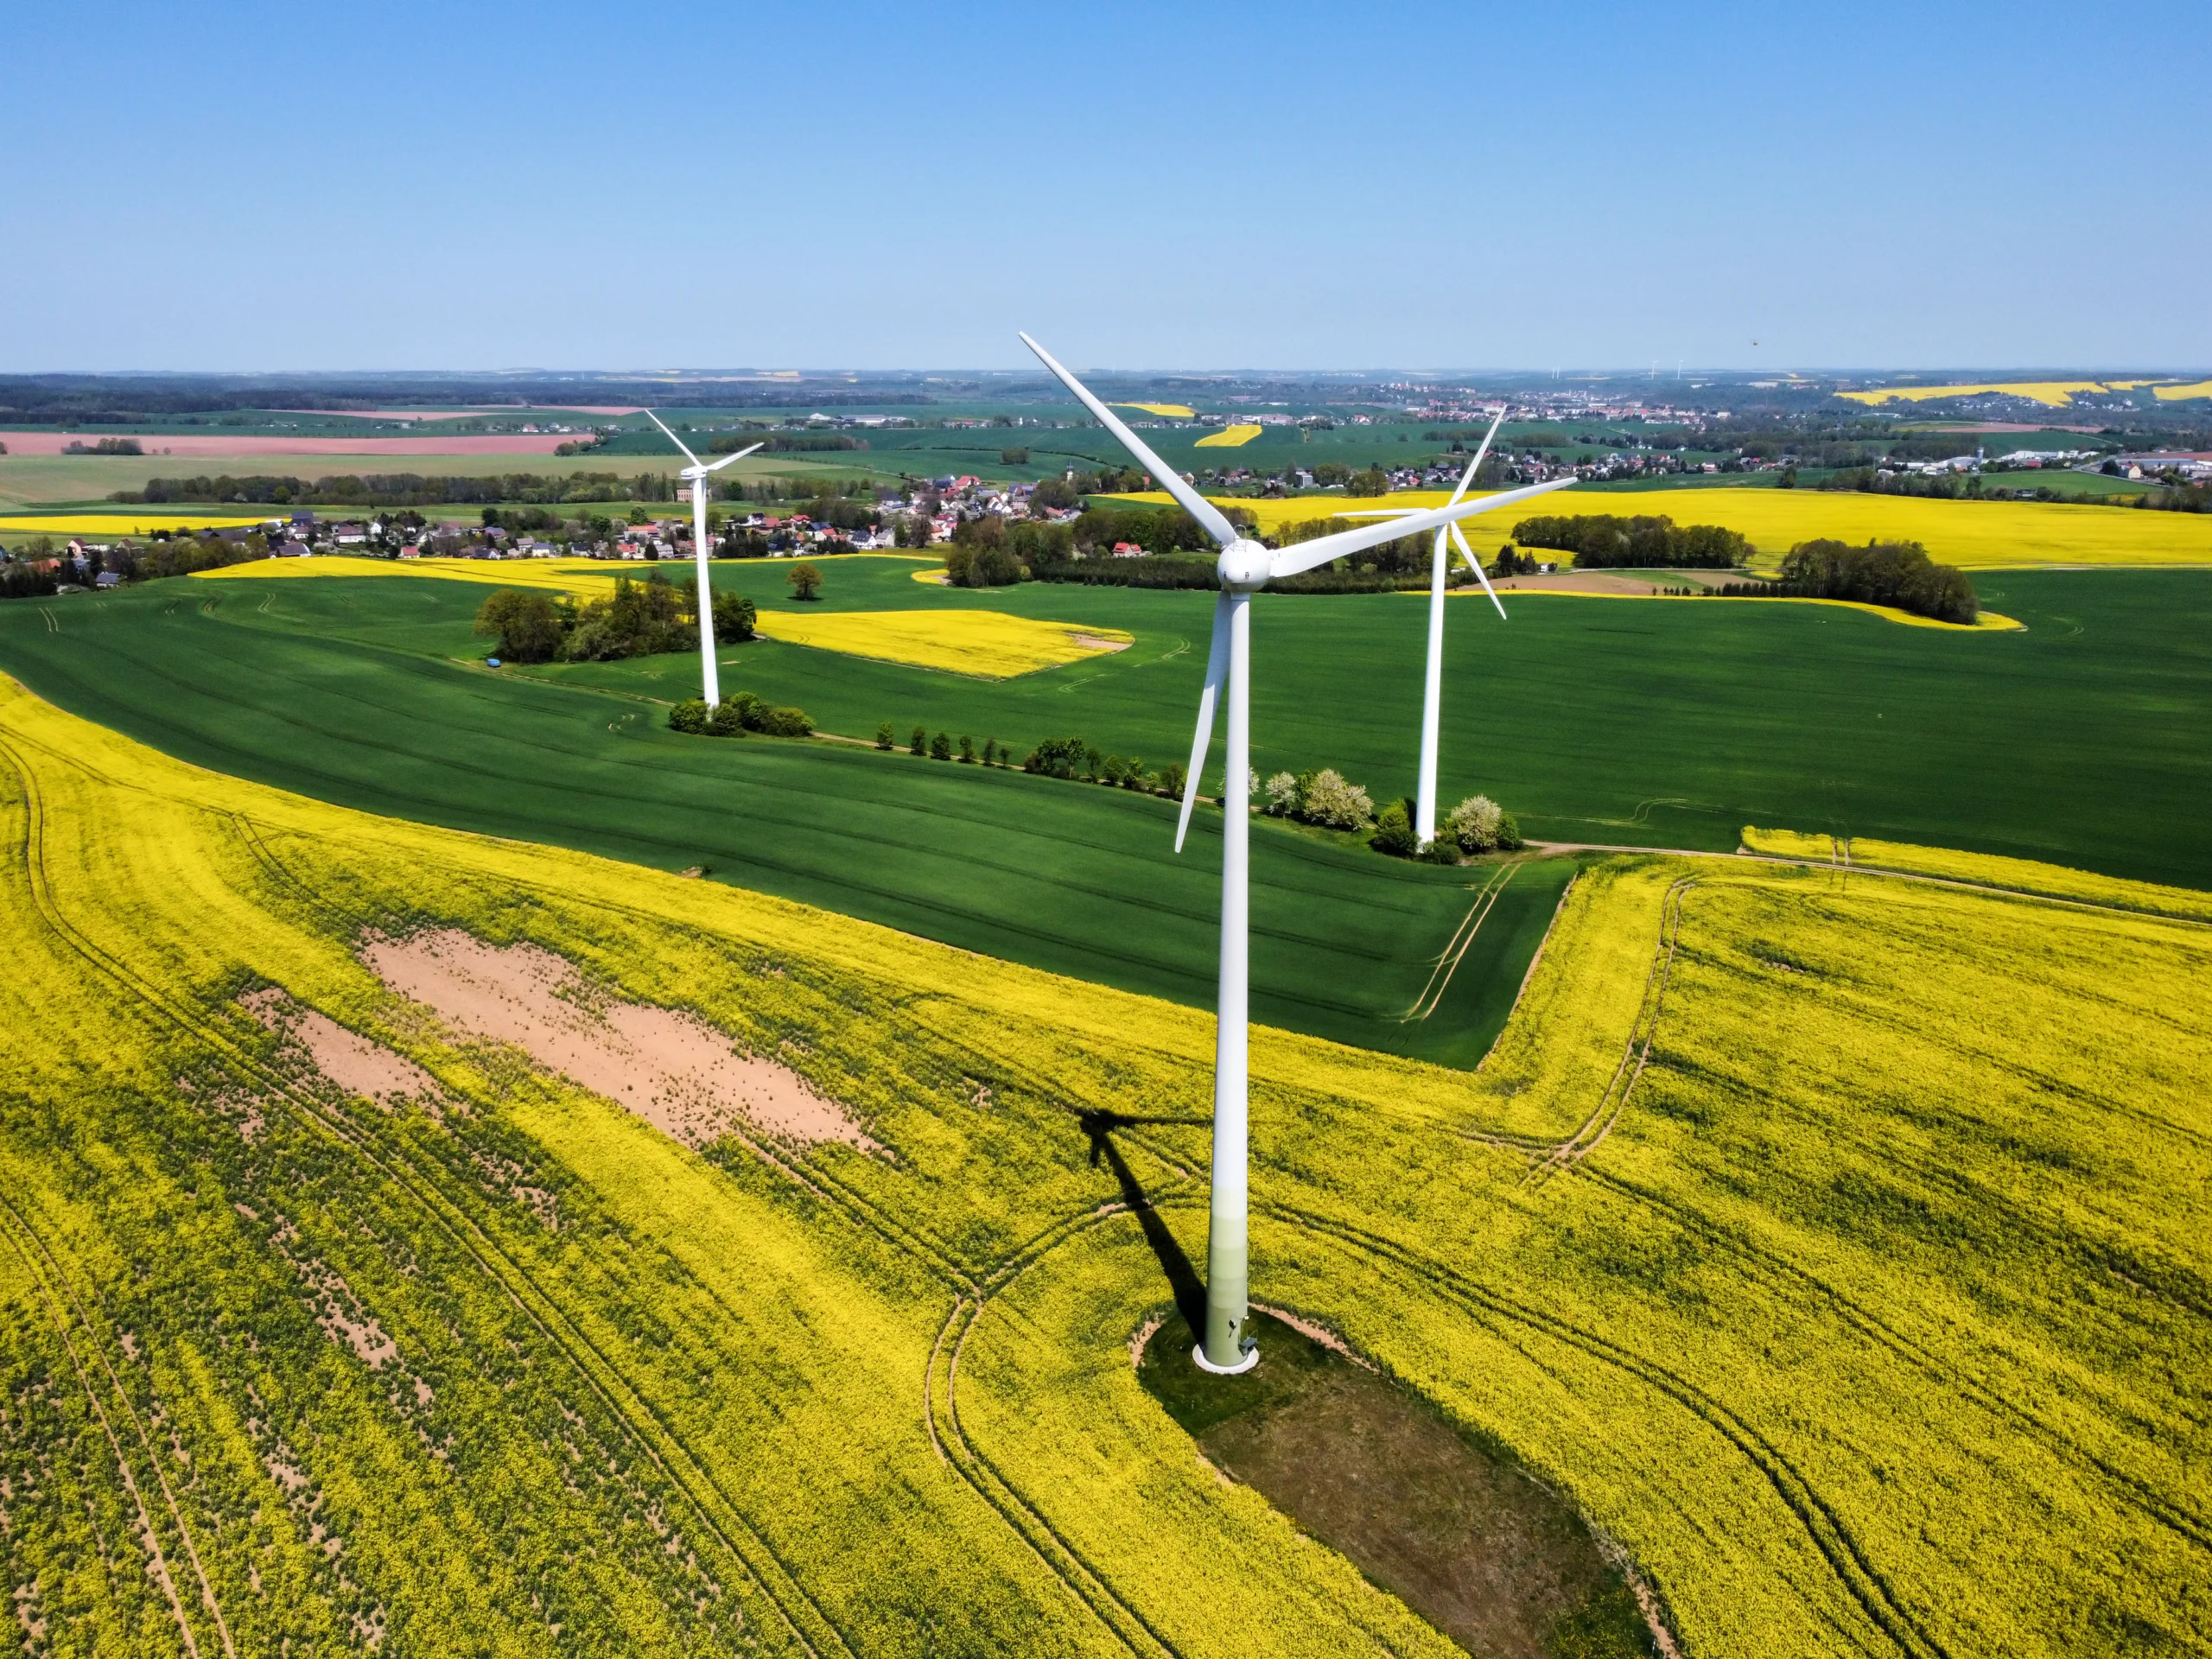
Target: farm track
639	1421
1455	948
40	1262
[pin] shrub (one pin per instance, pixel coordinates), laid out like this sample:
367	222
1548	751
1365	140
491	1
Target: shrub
730	718
990	751
1509	833
785	723
1394	832
1326	798
689	716
883	738
1474	824
920	744
1133	775
941	748
734	617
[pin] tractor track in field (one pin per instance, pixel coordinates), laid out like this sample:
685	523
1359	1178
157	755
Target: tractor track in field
1020	1513
1847	1558
1456	948
776	1583
59	1313
1548	1158
2192	1527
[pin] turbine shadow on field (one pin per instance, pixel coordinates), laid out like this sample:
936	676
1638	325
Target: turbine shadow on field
1182	1277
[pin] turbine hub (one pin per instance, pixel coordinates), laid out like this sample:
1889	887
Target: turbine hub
1243	565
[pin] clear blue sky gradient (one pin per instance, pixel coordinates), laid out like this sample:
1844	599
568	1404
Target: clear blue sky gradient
395	186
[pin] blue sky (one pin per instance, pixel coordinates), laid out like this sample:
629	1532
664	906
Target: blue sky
841	184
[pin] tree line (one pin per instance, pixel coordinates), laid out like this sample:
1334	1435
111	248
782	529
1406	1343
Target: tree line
1897	573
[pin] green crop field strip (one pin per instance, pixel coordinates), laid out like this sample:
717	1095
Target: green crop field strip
498	1367
1594	720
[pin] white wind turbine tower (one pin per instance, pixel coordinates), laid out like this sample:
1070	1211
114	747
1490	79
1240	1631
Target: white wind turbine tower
1243	566
696	474
1433	685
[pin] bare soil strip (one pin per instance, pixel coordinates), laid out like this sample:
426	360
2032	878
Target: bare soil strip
671	1068
348	1059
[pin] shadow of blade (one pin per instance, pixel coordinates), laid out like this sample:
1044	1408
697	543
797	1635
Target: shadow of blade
1182	1278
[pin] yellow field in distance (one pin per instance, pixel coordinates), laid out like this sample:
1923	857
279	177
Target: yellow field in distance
1229	438
124	523
988	644
587	577
1165	412
1975	535
2176	394
2055	394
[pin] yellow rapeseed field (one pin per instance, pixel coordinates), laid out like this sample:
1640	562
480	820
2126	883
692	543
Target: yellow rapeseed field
1982	870
2176	394
1165	412
584	577
1230	437
136	522
2054	393
990	645
1976	535
1834	1244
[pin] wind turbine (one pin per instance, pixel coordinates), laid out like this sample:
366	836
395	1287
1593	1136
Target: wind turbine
1243	566
697	475
1433	685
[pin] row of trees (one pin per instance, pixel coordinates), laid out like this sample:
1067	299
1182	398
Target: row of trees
1600	541
1327	798
1073	758
737	713
639	618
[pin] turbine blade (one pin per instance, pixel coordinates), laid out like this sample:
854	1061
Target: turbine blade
1475	466
1169	479
672	438
1216	666
739	456
1481	574
1289	560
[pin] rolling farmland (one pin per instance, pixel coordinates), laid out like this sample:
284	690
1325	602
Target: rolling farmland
283	1360
1659	723
1974	535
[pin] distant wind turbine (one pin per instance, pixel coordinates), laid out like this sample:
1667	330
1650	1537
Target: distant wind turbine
1432	684
697	475
1243	568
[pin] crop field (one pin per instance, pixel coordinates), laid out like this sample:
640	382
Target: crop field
2054	393
1165	412
1975	535
2177	394
988	644
1230	437
136	521
329	1316
1651	724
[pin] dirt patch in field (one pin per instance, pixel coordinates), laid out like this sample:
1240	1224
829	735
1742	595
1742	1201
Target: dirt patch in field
347	1058
1487	1554
671	1068
1092	642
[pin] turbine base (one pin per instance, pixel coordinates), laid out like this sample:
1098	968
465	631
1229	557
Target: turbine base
1251	1358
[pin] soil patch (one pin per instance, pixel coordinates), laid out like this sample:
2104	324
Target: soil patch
673	1070
347	1058
1495	1561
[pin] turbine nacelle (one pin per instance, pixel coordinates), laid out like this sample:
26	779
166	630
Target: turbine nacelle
1245	565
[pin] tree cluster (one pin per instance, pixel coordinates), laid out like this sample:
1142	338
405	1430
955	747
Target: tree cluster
737	714
1898	574
1600	541
1072	758
639	618
991	552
